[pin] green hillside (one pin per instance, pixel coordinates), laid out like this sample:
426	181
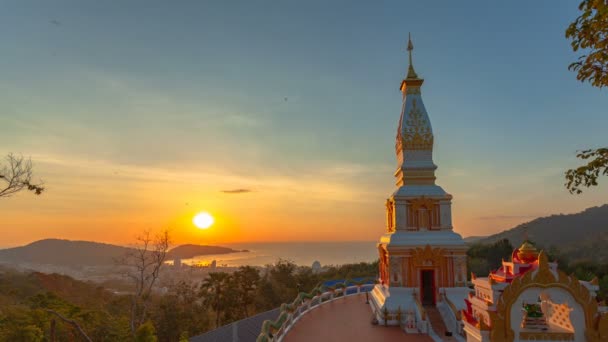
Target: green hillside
580	235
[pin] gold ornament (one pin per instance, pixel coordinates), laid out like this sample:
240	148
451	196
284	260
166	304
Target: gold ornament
543	277
417	134
427	256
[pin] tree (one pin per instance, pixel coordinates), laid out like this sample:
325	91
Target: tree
213	291
17	175
180	312
589	32
587	175
246	280
146	333
144	263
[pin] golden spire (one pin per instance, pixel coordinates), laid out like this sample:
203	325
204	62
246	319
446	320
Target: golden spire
410	70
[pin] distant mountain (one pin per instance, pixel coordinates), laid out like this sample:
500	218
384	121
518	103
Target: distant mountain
473	239
580	235
87	253
64	252
190	251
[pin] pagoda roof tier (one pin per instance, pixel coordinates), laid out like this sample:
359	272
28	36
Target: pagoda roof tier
436	238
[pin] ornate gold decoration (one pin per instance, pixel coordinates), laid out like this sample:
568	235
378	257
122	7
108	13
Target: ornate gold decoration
417	133
543	277
527	252
427	256
412	90
426	202
410	47
390	221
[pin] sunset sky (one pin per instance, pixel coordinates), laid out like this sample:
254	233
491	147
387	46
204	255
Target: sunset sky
139	114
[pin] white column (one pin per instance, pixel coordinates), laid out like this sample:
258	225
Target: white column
400	215
445	206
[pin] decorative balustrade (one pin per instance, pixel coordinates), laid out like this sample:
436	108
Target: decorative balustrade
422	322
304	302
452	317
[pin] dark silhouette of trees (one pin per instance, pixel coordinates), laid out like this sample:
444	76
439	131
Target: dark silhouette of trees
482	258
16	175
214	291
246	281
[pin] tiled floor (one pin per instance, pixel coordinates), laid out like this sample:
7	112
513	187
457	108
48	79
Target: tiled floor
346	319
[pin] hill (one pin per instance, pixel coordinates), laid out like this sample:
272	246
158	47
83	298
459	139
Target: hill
190	251
64	252
87	253
580	235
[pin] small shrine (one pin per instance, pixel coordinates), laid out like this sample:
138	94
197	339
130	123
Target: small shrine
529	299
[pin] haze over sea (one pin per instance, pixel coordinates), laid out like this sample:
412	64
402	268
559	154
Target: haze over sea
301	253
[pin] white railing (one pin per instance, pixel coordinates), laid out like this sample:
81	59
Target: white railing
307	305
422	322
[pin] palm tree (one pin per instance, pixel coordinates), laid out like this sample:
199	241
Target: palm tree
213	291
246	279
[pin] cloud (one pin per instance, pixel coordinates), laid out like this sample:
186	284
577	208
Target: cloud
315	187
237	191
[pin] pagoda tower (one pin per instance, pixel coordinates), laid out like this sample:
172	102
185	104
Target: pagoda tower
420	254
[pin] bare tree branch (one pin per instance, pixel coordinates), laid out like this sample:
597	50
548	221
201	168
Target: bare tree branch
144	263
70	322
17	175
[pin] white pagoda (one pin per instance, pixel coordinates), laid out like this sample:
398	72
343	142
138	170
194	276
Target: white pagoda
422	260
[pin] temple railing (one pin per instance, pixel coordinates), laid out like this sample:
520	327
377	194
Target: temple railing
304	302
450	314
422	322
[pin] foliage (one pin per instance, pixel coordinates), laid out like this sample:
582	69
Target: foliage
589	32
214	291
588	174
146	333
576	236
482	258
485	257
185	309
27	302
17	175
180	312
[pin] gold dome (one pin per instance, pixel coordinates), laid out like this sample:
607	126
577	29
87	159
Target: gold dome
527	252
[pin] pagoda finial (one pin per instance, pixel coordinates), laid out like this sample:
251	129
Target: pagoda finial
410	71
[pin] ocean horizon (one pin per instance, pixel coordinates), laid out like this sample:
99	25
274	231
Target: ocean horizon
300	253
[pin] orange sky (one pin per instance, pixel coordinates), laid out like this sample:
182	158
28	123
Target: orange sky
102	201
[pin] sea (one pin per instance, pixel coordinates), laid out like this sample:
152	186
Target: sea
300	253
